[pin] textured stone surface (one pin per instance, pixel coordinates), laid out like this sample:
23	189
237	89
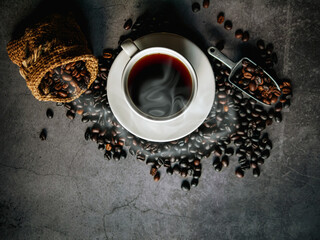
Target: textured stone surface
62	188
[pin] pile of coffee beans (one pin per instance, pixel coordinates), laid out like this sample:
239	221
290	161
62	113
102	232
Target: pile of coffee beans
233	130
66	80
255	82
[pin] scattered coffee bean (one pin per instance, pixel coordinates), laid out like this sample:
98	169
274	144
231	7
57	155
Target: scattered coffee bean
49	113
71	115
238	34
206	3
228	25
260	44
194	182
218	167
195	7
256	172
239	172
246	36
225	161
220	18
156	177
43	134
128	24
185	185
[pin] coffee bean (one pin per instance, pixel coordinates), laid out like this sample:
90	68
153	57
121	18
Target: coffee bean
278	117
256	172
62	94
229	151
206	3
220	18
195	7
269	48
194	182
265	154
278	107
260	44
107	155
185	185
238	34
169	170
228	25
218	167
49	113
43	134
225	161
239	172
71	115
66	77
246	36
156	177
128	24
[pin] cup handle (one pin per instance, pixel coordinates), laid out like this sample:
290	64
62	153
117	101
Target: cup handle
129	47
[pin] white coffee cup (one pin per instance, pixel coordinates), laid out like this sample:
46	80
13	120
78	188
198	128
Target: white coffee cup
149	126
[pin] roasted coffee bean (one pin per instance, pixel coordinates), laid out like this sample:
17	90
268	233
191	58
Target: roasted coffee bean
218	167
194	182
253	164
176	169
228	25
128	24
265	154
185	186
239	172
184	172
246	36
256	172
229	152
70	114
278	117
206	3
107	155
49	113
156	177
195	7
169	170
225	161
260	44
220	18
216	161
87	134
238	34
269	48
278	107
43	134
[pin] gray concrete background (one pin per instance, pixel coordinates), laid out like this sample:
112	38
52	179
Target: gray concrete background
62	188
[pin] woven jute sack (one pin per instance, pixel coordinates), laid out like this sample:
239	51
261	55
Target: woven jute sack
55	41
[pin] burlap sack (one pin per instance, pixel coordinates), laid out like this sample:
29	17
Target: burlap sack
55	41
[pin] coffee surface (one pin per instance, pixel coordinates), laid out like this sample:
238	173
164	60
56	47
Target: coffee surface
159	85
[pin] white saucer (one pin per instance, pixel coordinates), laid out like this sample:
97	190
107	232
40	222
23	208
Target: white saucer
190	119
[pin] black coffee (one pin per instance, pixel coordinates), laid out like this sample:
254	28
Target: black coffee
159	85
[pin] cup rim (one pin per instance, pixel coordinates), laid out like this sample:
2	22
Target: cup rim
150	51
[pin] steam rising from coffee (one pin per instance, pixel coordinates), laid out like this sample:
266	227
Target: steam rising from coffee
160	85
